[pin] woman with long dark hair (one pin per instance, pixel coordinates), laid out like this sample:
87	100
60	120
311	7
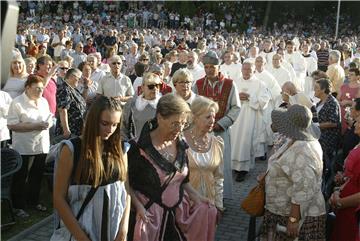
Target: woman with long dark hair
91	178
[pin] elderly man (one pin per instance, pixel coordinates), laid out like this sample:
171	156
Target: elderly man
194	67
115	84
267	52
58	43
278	71
182	62
141	108
96	73
132	58
79	56
274	90
230	69
222	90
335	72
248	132
297	61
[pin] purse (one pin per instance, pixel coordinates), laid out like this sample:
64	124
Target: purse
254	202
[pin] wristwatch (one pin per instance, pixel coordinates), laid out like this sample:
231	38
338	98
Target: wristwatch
293	220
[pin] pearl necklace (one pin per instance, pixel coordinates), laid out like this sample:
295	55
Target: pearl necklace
200	143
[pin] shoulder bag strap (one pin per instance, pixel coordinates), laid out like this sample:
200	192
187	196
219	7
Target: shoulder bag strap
88	198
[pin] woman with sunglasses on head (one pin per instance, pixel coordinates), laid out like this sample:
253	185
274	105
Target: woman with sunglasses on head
92	176
166	206
29	119
141	108
71	106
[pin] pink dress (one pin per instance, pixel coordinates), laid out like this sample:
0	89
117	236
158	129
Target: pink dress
158	184
347	93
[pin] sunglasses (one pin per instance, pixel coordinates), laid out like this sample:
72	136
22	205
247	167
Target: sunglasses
63	68
116	63
152	86
145	60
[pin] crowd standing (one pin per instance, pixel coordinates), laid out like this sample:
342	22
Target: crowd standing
157	112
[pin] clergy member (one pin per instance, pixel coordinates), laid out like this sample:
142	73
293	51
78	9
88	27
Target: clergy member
248	134
274	91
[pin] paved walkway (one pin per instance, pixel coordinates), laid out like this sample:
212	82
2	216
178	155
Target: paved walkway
233	226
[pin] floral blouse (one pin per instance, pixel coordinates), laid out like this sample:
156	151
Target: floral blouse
330	112
70	98
294	176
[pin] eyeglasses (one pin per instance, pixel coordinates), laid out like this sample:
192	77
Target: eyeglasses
145	60
77	77
152	86
184	82
116	63
63	68
179	125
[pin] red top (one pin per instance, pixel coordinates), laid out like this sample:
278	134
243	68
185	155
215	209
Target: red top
50	95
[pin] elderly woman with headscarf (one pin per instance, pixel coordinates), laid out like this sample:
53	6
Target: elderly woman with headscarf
293	180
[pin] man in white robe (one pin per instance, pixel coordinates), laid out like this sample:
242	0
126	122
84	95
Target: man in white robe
311	66
248	135
275	94
267	52
296	59
196	70
278	71
230	69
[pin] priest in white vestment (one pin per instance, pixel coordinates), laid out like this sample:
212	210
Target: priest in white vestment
275	95
278	71
298	63
248	135
230	69
196	70
267	52
311	66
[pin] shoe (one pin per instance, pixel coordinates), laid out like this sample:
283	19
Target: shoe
21	213
241	176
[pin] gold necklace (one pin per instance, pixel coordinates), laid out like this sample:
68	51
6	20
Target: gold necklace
200	143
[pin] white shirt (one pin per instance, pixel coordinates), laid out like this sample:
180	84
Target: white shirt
113	87
232	71
14	86
5	101
137	82
22	110
59	48
97	74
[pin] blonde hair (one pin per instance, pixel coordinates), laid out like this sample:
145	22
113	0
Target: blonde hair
202	104
23	72
149	77
182	74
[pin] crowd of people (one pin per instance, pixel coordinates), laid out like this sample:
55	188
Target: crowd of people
156	120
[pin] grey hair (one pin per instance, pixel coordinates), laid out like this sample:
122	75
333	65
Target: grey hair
335	54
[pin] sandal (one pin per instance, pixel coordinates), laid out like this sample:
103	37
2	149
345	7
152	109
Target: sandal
21	213
40	208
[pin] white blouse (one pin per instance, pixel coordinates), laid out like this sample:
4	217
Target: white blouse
22	110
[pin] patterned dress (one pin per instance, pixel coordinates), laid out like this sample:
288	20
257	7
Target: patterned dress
70	98
158	184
